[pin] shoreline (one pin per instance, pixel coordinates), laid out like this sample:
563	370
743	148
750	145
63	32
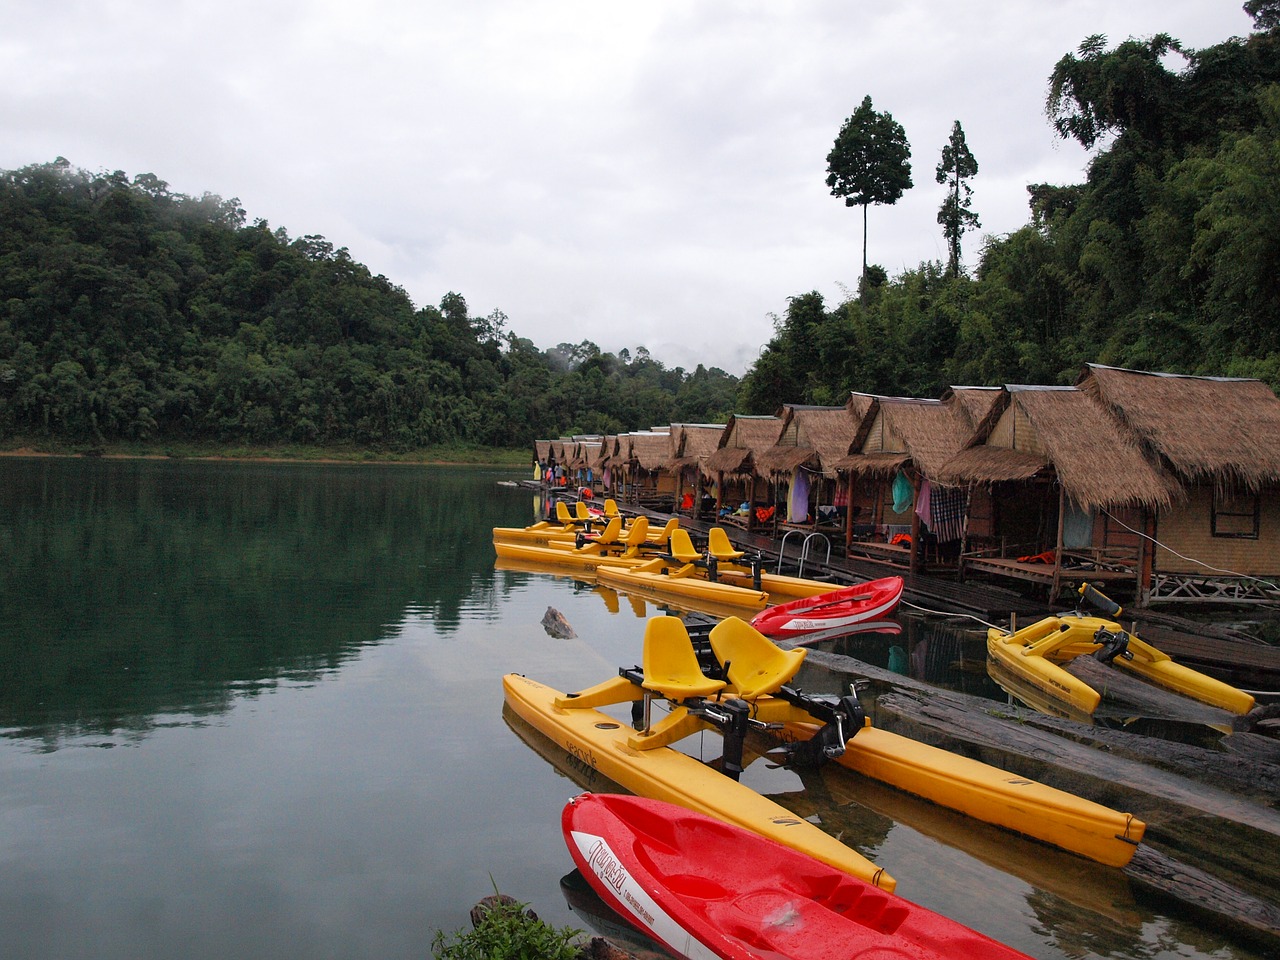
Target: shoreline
358	458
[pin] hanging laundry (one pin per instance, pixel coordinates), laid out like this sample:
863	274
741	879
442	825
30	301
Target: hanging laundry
798	502
923	504
949	507
902	493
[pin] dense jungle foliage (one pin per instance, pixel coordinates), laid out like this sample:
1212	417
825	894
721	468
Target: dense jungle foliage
128	312
1166	258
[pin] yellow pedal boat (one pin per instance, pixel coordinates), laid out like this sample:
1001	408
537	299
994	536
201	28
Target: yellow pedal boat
611	546
1035	653
753	693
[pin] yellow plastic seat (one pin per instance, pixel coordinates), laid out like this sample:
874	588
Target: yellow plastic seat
670	666
718	545
610	536
756	665
563	514
637	534
663	536
682	547
610	507
581	510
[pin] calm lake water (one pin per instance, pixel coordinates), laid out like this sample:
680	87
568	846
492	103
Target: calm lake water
256	711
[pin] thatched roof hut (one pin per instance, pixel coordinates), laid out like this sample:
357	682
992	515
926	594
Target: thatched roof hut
816	437
900	430
743	439
1034	429
649	451
541	450
1221	431
692	444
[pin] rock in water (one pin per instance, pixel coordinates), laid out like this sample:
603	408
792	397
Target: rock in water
556	625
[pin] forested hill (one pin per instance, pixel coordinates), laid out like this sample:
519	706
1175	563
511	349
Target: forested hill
128	312
1166	258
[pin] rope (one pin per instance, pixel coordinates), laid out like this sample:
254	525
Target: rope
950	614
1230	573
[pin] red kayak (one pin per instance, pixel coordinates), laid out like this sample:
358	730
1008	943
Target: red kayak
829	612
706	889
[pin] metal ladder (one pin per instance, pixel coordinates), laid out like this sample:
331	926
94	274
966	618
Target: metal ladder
804	549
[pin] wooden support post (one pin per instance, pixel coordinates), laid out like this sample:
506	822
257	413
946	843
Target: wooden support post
913	563
1057	550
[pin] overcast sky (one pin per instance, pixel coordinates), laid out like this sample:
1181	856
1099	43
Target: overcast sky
649	173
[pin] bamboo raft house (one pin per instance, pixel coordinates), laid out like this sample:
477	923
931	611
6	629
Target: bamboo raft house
732	469
691	445
649	483
901	446
1067	489
1220	437
801	466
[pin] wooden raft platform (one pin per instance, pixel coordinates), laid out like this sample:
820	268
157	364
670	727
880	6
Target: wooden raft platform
1182	639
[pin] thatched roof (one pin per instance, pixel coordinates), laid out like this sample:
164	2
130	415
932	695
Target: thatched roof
693	443
1217	430
928	432
984	464
858	406
1097	463
650	451
541	448
744	437
817	436
975	402
877	465
598	452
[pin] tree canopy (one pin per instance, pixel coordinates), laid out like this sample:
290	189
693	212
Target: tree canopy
869	163
129	312
956	168
1167	256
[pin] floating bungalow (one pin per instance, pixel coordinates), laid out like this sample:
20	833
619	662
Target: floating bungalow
691	445
899	514
1220	438
1056	489
801	466
649	483
732	469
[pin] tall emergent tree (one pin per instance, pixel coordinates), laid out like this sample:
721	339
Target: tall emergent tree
957	166
870	163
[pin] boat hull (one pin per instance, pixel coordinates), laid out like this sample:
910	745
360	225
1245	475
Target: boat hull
990	794
831	611
538	535
1035	653
649	583
597	741
584	560
706	889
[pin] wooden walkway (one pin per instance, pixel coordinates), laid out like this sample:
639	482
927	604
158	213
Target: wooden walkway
933	593
1183	639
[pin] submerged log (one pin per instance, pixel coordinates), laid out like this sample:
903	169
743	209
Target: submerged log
1211	809
1155	874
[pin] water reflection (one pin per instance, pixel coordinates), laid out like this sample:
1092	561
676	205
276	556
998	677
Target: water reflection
945	653
140	588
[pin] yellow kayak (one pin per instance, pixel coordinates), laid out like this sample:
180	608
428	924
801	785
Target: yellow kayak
594	740
1034	654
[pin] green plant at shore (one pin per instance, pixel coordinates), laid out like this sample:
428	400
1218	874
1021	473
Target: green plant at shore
505	931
